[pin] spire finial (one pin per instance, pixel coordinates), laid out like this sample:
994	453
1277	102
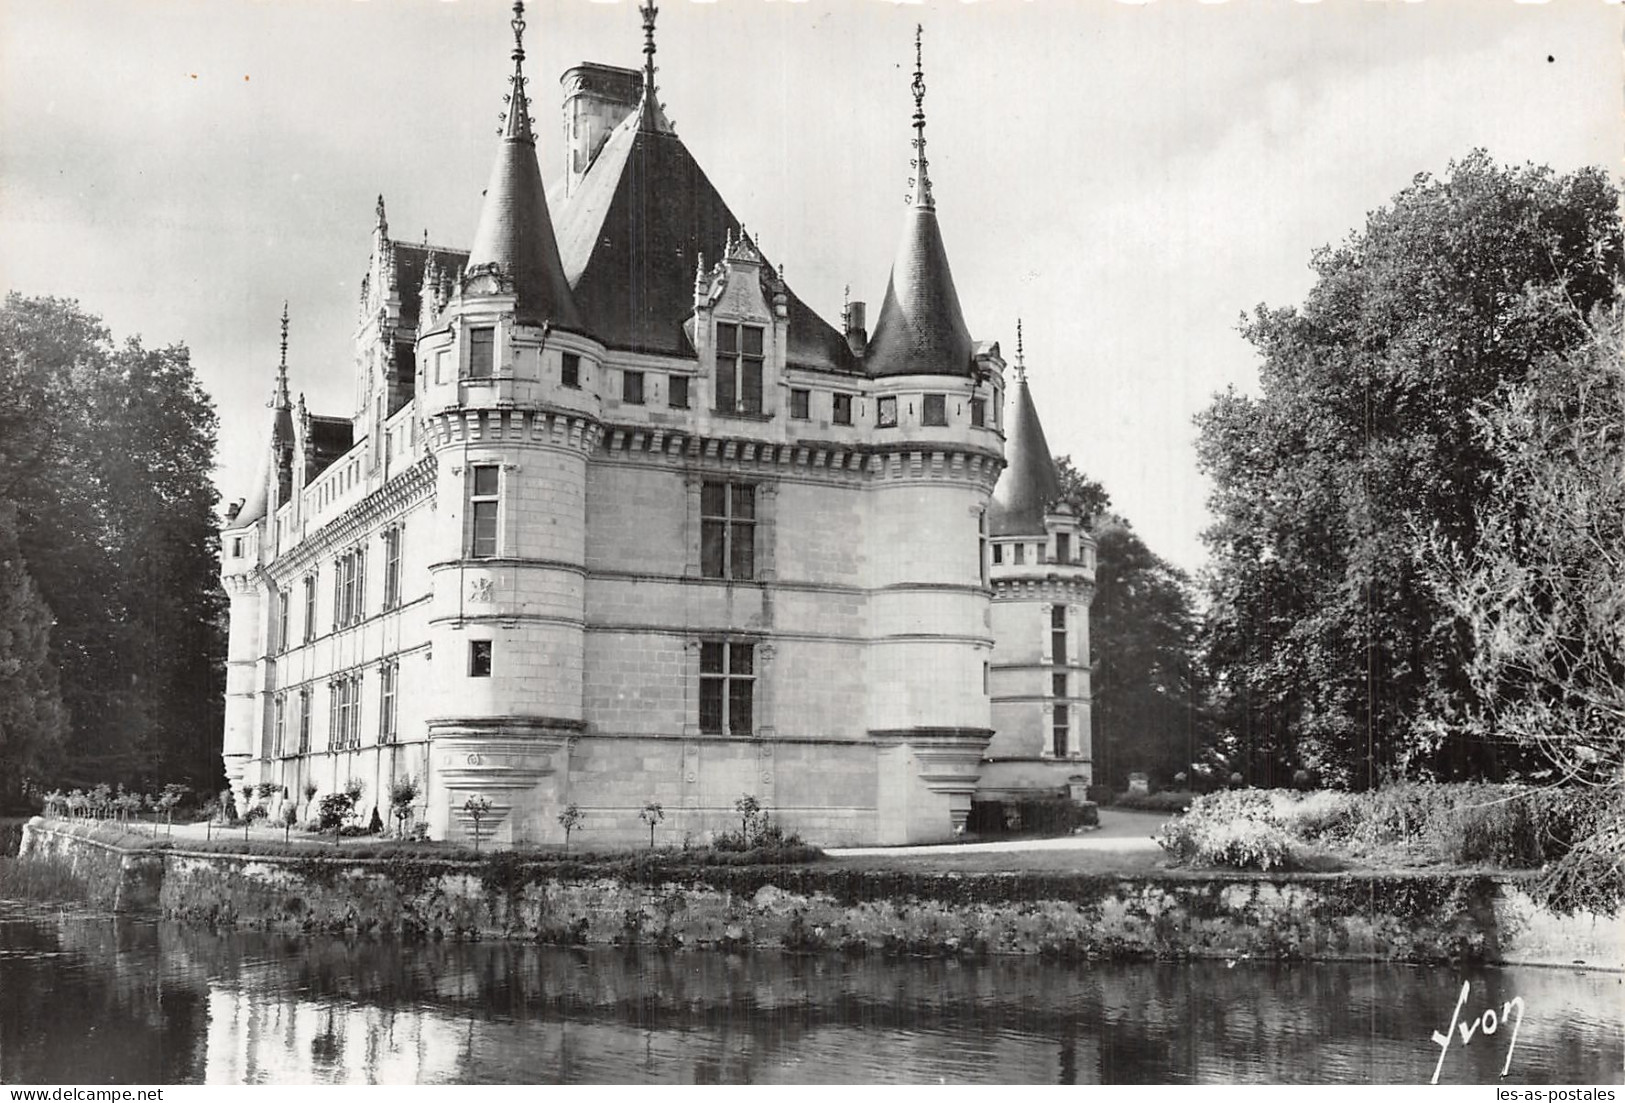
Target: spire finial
382	223
921	181
1021	355
516	120
280	398
649	12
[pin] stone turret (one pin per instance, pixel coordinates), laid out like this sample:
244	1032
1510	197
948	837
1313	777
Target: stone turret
1043	574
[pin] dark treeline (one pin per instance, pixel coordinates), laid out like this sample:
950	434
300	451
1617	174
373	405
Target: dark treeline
111	630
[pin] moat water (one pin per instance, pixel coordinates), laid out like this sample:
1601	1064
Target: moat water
90	998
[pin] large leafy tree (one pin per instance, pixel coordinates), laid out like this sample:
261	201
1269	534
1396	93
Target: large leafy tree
1328	648
106	450
31	713
1542	594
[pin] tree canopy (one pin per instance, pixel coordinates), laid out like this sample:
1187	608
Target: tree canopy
105	454
1328	647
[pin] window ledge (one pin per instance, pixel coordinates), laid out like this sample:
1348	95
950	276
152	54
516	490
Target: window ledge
738	415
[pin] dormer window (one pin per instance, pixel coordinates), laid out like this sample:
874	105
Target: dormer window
739	369
481	349
841	408
978	412
570	370
1063	547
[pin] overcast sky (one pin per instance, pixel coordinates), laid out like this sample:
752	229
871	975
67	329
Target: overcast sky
1126	178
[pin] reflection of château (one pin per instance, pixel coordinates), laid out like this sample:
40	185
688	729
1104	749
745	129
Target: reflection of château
618	518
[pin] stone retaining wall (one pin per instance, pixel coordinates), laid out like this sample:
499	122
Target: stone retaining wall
1414	917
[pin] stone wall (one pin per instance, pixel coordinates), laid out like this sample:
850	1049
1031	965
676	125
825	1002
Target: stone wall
826	907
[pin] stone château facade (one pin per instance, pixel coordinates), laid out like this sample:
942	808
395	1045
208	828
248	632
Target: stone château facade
616	518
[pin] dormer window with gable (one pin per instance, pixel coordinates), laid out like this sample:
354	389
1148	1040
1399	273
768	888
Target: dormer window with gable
739	369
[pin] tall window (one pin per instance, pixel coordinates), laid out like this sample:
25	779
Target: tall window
841	409
388	675
739	369
1063	547
344	718
482	511
935	410
310	606
479	658
349	586
481	349
978	412
570	370
1021	553
632	388
280	706
727	530
727	687
304	721
677	392
392	567
1057	634
280	628
1063	730
998	553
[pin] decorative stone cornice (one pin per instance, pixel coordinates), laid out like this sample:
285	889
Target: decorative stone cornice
410	486
556	428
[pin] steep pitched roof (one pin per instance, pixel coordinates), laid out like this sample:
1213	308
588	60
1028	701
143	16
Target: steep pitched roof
920	329
631	233
409	261
515	232
330	438
1029	482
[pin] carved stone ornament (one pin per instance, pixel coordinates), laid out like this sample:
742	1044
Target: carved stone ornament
481	590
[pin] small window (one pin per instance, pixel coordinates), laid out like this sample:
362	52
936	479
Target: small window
479	658
1021	553
481	345
237	547
1057	635
935	410
800	402
677	394
570	370
727	530
727	687
1063	547
483	501
632	387
1063	730
978	412
886	412
842	409
998	553
1058	685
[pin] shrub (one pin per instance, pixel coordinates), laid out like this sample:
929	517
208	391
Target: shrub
1236	828
1169	800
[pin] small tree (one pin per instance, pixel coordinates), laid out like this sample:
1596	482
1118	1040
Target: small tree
257	812
401	795
311	790
167	800
477	808
290	816
335	809
570	819
652	814
748	808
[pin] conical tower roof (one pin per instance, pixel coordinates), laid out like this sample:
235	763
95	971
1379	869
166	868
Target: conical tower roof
920	330
515	232
1029	483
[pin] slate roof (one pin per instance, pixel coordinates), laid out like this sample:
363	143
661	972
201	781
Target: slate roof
631	233
409	262
330	438
1029	482
920	329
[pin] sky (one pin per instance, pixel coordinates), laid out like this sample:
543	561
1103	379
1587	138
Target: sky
1126	178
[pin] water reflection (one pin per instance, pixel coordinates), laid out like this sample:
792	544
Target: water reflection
97	999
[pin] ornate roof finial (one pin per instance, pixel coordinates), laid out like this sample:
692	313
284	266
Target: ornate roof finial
649	12
921	180
280	400
516	120
1021	355
382	223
